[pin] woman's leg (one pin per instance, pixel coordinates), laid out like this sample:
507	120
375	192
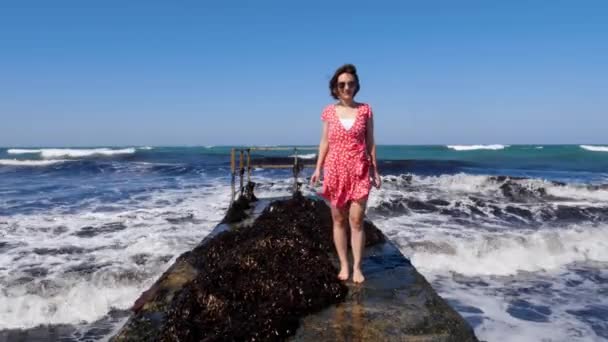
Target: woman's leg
357	234
339	217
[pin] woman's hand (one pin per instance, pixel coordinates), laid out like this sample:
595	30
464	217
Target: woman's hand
376	179
314	179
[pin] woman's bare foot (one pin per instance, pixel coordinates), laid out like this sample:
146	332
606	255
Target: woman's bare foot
343	275
358	276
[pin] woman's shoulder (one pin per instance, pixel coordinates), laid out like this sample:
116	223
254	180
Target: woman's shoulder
330	106
367	108
327	110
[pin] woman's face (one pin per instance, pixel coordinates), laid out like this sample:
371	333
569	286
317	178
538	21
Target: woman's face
346	86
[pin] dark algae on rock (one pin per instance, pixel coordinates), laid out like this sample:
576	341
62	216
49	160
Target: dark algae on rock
274	278
248	283
256	282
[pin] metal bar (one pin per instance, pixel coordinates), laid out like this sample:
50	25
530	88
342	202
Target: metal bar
232	192
281	148
279	166
241	170
248	166
297	166
295	169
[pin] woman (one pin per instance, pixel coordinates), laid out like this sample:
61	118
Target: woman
347	154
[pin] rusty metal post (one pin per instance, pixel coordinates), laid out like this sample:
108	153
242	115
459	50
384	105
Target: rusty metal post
233	174
248	165
295	170
241	169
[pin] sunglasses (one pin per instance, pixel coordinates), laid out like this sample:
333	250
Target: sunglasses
351	84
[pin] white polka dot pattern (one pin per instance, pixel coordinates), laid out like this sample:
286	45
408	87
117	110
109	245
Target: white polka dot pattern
346	166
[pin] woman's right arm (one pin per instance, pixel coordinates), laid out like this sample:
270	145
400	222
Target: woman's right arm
323	148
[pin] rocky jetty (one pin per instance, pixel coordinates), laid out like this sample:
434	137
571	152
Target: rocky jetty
275	279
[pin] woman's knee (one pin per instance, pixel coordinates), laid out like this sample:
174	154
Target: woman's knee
339	217
356	215
356	223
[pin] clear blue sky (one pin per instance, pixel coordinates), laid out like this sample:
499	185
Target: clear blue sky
84	73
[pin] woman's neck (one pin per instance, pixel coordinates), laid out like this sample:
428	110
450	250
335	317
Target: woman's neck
347	103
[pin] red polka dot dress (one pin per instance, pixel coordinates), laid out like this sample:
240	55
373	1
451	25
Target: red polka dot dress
346	165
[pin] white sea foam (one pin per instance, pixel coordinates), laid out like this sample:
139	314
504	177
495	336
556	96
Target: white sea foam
493	300
145	148
578	192
52	153
76	153
507	253
21	151
104	264
476	147
483	264
72	304
595	148
436	242
306	156
454	186
15	162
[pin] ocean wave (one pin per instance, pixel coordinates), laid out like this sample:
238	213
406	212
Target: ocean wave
21	151
512	188
507	253
101	250
476	147
15	162
145	148
594	148
306	156
52	153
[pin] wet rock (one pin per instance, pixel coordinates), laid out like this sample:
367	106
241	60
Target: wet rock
90	231
598	213
163	259
546	214
86	268
500	179
433	247
450	325
476	211
406	179
36	272
420	206
518	193
391	208
497	211
57	251
60	230
519	212
141	258
456	213
236	212
565	213
182	219
438	202
478	201
529	312
5	246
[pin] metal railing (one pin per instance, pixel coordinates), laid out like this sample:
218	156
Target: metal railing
246	164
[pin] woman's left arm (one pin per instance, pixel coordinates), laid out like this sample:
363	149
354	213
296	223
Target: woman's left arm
371	152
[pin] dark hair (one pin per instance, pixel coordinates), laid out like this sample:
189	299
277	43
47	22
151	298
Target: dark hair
333	83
